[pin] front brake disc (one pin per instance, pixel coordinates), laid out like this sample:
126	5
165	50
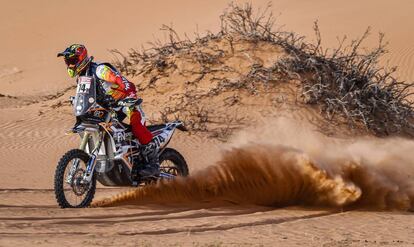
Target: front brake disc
78	187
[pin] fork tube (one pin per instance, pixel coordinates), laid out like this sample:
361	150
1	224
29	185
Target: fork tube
85	139
92	160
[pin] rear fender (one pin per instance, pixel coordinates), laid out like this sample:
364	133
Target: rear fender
180	126
167	132
177	125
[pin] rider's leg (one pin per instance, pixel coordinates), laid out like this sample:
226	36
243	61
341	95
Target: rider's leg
150	146
139	130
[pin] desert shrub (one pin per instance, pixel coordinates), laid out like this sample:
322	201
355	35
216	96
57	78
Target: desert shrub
346	82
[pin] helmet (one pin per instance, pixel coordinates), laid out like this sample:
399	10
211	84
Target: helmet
76	58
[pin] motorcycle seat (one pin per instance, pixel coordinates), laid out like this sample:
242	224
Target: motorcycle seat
151	128
156	127
127	127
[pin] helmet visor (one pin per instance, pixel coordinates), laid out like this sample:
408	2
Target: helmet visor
73	60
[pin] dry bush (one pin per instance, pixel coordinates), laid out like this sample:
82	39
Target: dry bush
198	118
346	82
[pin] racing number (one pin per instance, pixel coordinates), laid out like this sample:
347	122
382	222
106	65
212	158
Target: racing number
84	85
160	140
82	88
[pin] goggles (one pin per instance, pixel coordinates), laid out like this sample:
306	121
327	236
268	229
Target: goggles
72	60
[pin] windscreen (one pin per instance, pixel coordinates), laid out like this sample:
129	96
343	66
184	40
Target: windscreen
85	95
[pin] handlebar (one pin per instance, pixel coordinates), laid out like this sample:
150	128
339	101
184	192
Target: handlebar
129	102
110	102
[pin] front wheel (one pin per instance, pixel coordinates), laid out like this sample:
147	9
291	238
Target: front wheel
70	190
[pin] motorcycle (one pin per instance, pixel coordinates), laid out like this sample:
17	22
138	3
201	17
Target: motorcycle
108	152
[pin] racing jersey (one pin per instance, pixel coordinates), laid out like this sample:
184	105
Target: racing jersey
114	83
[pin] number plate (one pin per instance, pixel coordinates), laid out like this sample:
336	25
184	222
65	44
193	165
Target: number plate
84	84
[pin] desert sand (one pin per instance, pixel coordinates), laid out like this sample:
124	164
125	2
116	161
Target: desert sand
34	116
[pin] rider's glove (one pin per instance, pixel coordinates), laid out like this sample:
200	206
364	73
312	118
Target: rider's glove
129	102
121	103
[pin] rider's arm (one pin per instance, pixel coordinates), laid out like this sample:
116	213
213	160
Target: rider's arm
105	73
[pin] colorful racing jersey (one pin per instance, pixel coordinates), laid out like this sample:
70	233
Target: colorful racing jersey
115	84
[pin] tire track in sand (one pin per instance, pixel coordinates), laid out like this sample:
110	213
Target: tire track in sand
225	227
167	221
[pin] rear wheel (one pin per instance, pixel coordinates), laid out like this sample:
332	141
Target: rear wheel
70	191
172	162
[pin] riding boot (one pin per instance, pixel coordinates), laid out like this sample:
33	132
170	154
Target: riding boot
152	164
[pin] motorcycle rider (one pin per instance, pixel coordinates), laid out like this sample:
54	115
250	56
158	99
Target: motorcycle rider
116	87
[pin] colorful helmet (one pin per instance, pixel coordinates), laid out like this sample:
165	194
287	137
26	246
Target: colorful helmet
76	58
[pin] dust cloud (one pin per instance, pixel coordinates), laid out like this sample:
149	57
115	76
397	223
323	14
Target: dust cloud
285	163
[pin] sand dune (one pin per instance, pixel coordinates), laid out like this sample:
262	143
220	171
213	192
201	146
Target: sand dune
30	43
404	58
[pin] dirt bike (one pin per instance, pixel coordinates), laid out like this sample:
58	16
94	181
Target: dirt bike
108	150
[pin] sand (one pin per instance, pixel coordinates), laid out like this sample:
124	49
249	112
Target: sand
33	123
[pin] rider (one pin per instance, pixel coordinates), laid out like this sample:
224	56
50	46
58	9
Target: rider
116	87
